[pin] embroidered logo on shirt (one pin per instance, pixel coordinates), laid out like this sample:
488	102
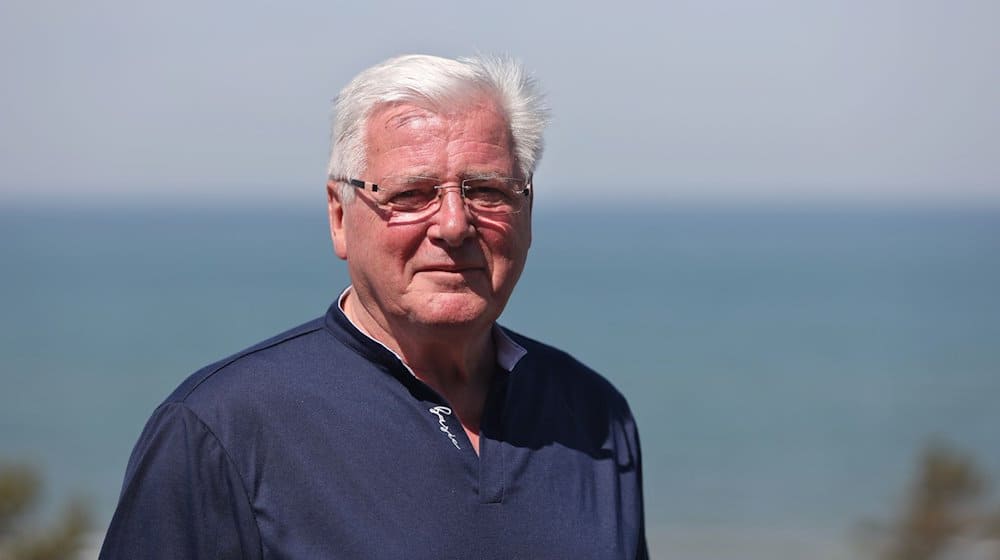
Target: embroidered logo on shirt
441	412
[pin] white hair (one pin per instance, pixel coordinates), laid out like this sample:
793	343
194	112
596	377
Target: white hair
435	83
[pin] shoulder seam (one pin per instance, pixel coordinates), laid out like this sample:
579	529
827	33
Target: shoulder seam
239	356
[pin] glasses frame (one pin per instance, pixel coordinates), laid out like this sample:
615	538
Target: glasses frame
462	187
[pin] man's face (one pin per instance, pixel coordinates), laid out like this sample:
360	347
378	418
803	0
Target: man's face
451	269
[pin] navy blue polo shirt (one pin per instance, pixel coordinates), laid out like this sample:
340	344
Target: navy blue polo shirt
320	443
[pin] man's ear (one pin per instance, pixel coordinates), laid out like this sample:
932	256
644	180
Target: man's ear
335	210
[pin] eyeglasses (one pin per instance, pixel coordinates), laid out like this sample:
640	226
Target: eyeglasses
415	195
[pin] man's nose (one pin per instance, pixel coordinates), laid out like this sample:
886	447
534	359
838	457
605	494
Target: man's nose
453	221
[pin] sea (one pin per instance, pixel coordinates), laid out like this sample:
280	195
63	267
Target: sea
788	366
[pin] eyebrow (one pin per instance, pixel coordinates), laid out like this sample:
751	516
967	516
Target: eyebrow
485	175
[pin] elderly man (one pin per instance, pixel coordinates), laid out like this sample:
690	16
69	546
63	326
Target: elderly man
405	424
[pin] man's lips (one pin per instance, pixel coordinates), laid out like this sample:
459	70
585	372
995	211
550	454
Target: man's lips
449	268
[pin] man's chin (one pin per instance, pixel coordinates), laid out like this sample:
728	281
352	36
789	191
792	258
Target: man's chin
453	310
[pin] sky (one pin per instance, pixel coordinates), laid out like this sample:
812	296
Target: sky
202	103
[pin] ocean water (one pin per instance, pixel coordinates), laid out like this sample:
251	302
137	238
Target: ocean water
786	366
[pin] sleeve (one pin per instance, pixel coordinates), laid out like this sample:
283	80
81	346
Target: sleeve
642	548
182	496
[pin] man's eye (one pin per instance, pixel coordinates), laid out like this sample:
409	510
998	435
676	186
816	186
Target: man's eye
487	194
496	192
411	193
411	197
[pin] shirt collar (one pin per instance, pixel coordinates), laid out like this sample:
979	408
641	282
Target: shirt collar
509	353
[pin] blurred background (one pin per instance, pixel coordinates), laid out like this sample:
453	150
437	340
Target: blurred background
775	226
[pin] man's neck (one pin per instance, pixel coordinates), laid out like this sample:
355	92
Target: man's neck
457	363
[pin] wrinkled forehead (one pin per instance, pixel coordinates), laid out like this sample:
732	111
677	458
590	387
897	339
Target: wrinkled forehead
480	118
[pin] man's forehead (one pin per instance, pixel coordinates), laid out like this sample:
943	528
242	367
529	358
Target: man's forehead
473	134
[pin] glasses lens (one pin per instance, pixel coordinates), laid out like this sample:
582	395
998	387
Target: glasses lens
495	195
407	193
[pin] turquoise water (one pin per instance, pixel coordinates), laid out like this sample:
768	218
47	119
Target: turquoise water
786	366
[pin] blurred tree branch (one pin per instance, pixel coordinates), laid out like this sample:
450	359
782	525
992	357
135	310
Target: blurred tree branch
938	506
20	489
942	513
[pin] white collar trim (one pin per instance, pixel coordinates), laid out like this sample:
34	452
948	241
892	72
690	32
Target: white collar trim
509	353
